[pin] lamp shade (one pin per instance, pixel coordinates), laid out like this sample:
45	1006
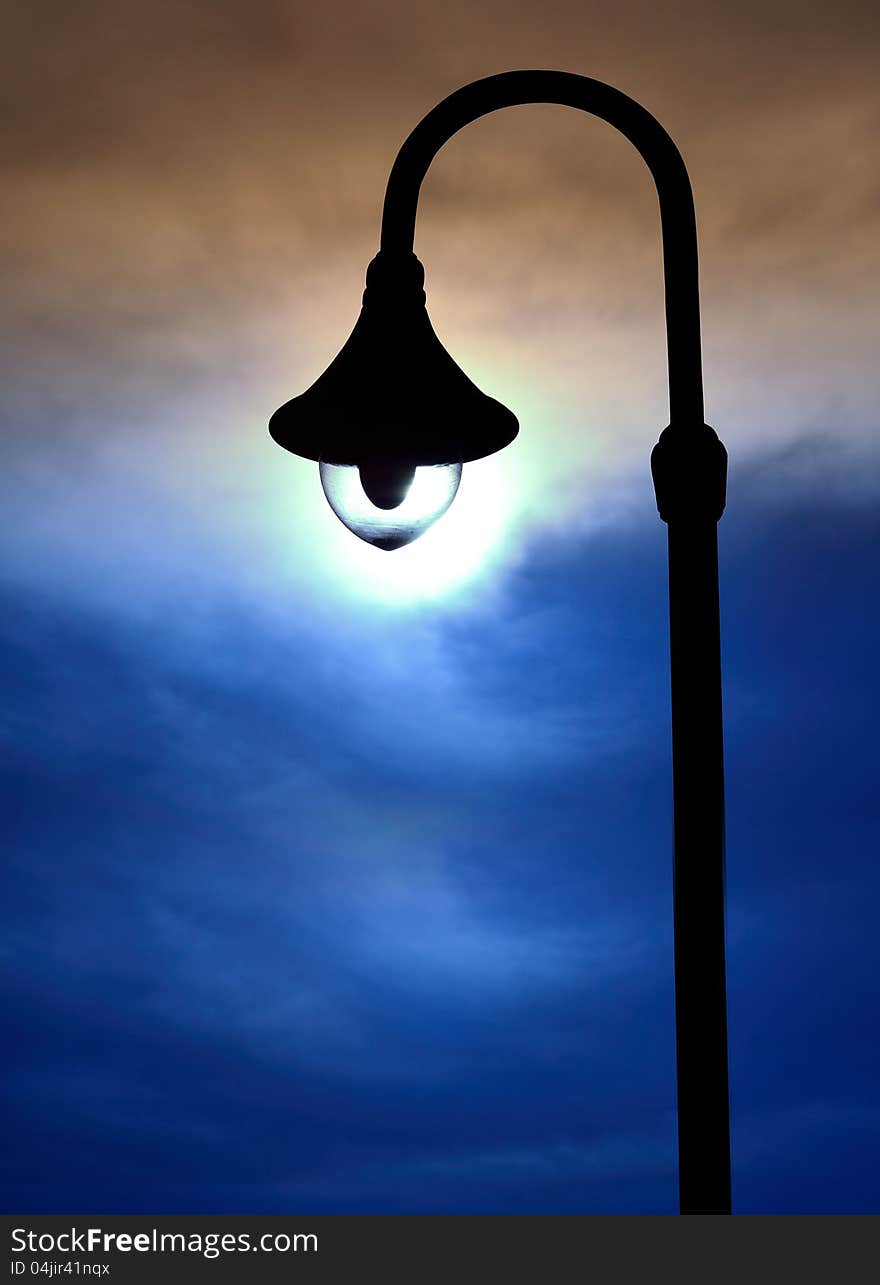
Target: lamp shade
393	399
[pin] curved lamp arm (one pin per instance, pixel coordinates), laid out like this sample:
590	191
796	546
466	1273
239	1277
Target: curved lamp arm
656	148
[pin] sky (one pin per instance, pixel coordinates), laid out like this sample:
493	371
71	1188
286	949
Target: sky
337	880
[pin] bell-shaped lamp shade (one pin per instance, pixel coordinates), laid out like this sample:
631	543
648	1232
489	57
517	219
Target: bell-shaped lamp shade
393	418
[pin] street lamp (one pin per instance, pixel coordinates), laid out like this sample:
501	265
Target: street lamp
393	419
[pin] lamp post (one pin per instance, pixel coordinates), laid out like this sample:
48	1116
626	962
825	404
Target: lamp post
393	419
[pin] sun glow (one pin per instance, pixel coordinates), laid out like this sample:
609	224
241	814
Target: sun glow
461	545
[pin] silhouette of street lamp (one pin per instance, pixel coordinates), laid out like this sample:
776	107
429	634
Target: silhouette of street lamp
393	419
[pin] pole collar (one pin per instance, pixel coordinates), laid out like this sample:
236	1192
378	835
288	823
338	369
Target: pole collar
394	280
689	468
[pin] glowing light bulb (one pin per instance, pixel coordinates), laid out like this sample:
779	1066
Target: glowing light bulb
389	504
386	483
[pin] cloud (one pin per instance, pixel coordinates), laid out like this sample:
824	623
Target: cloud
198	193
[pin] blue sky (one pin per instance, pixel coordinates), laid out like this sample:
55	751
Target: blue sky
338	880
291	926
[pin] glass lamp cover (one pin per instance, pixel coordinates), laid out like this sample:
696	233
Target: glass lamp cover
399	521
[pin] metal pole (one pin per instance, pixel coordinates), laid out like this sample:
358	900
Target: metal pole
698	868
689	467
